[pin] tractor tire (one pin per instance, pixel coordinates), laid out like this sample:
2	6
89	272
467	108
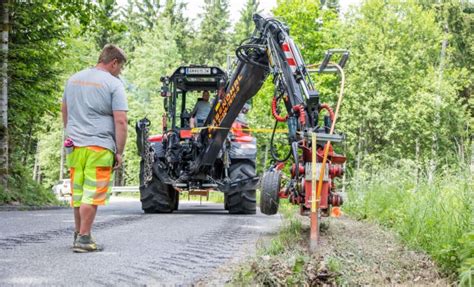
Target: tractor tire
226	202
269	199
241	201
176	202
157	197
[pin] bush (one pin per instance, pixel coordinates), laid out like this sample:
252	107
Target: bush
431	215
24	190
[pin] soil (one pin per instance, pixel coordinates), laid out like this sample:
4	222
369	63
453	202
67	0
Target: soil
350	253
366	254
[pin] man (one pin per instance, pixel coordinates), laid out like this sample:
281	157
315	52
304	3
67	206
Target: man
201	110
94	112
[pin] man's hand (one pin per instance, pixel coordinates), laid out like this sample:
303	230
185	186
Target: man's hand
118	161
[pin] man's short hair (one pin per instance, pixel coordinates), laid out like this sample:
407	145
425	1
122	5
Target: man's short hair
110	53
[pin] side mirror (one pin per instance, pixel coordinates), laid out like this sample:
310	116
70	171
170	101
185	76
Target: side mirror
165	91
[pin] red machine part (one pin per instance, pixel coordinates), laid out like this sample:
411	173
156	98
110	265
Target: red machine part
185	133
238	129
301	111
300	170
155	138
290	58
280	166
336	171
275	113
327	108
335	199
283	193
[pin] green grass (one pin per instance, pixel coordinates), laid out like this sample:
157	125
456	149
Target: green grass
25	191
435	216
282	260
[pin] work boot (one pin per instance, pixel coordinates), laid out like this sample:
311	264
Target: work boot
84	244
75	237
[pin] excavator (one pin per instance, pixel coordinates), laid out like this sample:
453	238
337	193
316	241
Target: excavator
221	155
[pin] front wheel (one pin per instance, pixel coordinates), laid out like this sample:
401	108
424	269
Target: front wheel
269	199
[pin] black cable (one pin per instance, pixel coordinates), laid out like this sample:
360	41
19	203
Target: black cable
272	150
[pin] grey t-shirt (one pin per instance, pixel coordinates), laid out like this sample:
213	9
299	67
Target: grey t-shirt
201	111
91	96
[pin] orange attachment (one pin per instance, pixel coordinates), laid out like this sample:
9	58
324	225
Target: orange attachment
336	212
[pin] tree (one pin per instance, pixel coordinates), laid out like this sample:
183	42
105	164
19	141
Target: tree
390	105
183	30
157	56
212	43
36	41
245	26
456	19
4	98
108	28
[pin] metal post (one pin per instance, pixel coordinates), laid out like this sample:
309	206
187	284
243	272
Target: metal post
314	232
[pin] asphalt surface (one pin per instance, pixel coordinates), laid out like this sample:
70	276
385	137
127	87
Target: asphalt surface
191	245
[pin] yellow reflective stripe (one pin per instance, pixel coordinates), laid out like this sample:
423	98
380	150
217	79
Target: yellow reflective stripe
253	130
93	183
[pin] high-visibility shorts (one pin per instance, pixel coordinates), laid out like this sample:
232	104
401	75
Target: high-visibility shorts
92	175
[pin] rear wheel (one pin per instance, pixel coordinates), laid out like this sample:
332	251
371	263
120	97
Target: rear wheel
176	202
241	200
157	197
269	199
226	202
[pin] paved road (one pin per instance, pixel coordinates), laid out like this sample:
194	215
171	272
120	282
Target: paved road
190	245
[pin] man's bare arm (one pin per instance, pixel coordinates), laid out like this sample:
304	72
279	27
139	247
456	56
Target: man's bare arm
64	113
120	120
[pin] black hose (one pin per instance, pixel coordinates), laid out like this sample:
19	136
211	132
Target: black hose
272	150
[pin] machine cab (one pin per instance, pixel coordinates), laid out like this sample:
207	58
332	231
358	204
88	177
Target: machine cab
181	91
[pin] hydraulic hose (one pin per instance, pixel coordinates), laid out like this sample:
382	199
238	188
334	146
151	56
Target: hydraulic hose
275	114
302	114
272	150
329	109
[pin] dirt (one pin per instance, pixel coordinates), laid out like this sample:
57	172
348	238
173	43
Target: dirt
351	253
362	253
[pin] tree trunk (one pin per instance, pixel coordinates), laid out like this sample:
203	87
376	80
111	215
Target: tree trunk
4	98
36	167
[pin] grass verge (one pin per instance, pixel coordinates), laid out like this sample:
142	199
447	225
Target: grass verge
435	216
284	261
22	190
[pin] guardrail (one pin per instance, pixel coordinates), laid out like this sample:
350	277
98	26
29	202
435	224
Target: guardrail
118	189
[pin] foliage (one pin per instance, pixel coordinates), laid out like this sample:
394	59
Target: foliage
143	80
244	27
182	28
212	41
433	216
394	83
24	190
107	28
283	262
37	42
456	18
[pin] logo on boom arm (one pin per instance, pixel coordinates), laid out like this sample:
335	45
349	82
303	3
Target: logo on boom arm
223	105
